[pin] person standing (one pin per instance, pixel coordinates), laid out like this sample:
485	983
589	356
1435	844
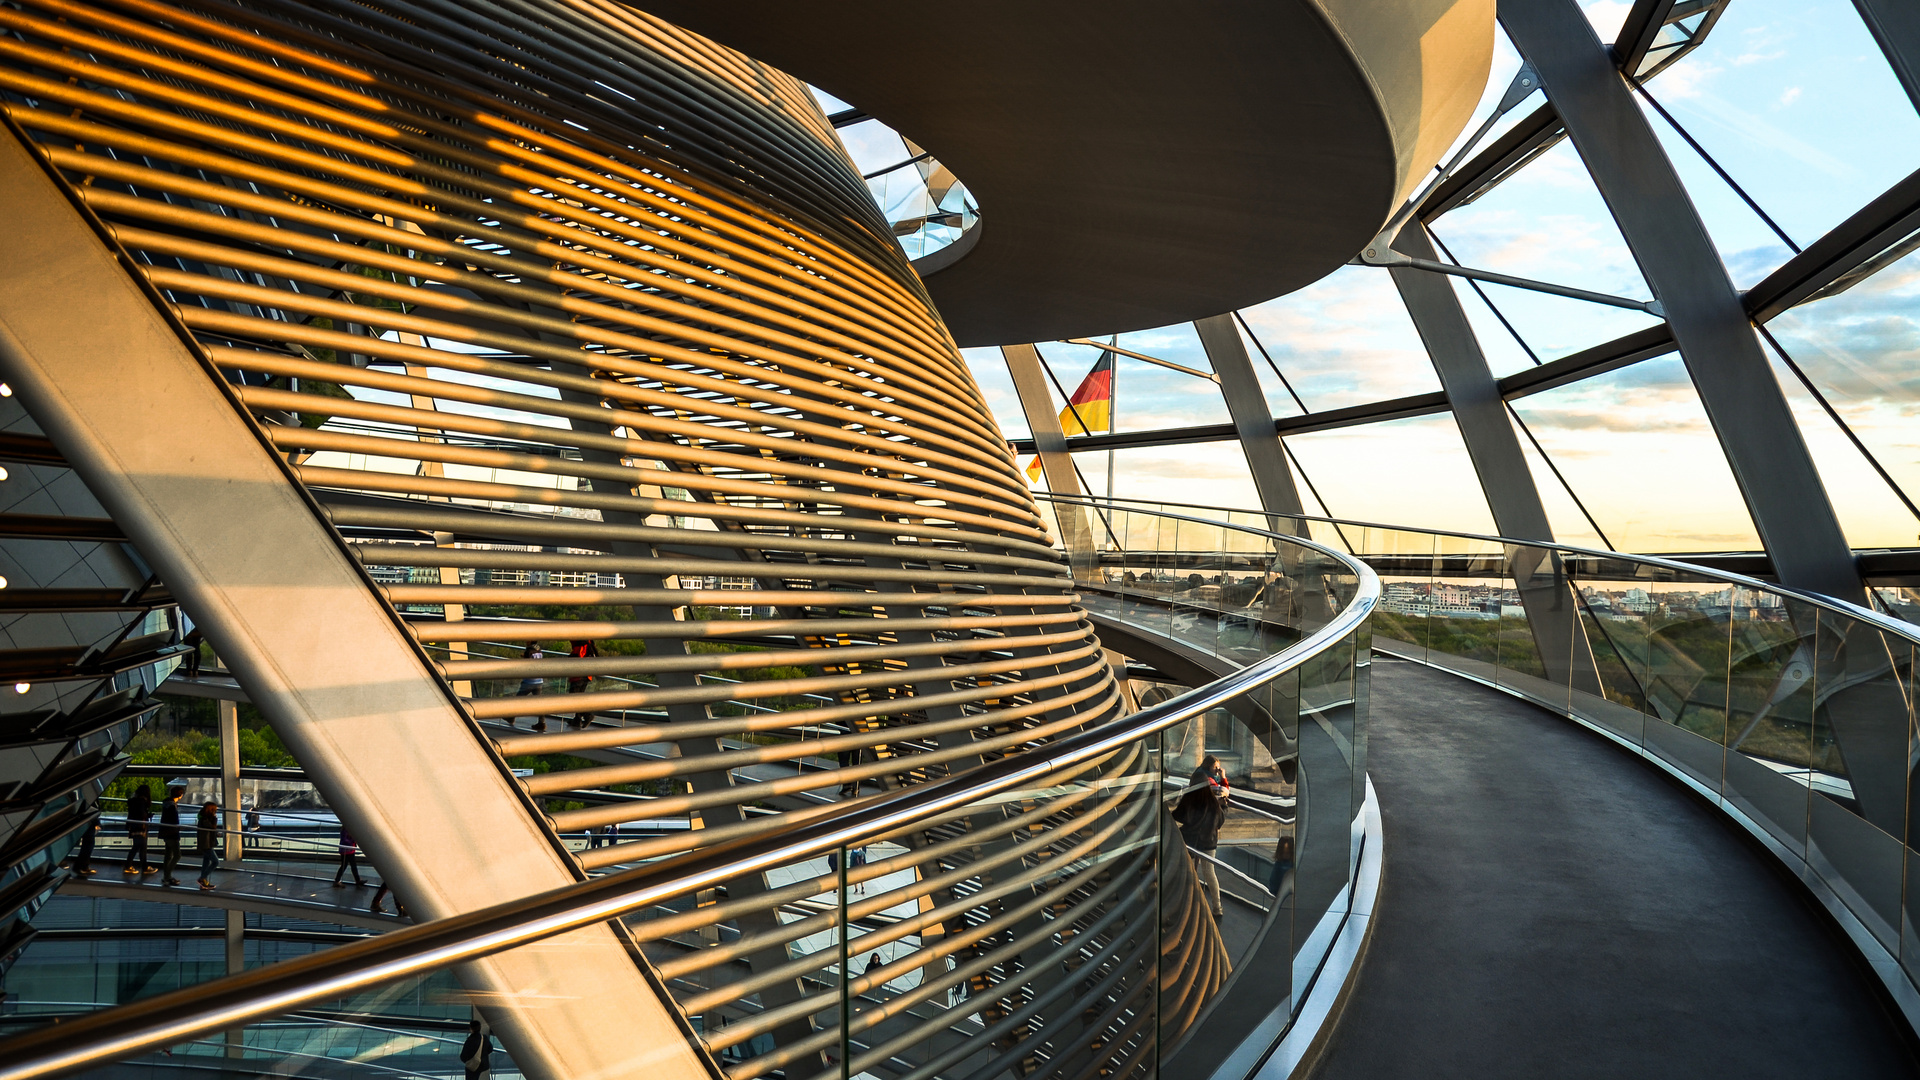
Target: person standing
1282	866
857	860
191	661
170	835
207	831
476	1054
139	810
1201	812
83	856
349	852
533	684
578	684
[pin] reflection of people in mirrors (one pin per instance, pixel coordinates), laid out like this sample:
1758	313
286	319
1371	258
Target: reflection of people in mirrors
83	855
1282	868
206	831
1201	812
139	810
191	661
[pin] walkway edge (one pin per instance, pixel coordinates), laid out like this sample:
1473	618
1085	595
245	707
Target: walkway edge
1906	997
1298	1046
230	901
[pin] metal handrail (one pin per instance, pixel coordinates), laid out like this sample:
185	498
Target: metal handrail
1880	620
239	1000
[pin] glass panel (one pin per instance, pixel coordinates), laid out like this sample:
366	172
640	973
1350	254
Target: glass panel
1863	864
1344	340
1687	676
1796	101
989	370
1565	517
1463	635
1398	471
1548	223
417	1027
1610	645
1147	396
1869	510
1862	721
1536	613
1405	564
1859	347
1770	706
1611	434
1207	474
1324	808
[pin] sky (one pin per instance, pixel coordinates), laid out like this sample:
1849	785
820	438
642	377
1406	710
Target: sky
1796	103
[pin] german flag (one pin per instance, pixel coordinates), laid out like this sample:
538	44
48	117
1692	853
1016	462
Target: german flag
1090	408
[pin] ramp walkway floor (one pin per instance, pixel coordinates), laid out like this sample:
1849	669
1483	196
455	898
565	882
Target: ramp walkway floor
1554	907
271	886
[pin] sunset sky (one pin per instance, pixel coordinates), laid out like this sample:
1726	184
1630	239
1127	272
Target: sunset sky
1796	102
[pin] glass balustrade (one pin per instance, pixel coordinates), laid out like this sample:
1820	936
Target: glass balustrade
1791	712
1076	907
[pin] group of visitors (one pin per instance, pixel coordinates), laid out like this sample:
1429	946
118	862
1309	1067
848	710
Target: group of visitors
140	818
535	685
140	822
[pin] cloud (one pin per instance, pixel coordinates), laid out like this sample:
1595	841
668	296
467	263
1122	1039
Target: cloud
1761	44
1788	96
1863	346
1606	17
1687	80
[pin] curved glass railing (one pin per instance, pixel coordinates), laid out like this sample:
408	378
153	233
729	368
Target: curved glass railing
1792	712
1038	909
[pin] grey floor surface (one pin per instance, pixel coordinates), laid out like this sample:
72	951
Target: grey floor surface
1554	908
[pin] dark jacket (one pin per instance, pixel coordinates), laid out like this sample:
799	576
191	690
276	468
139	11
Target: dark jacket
139	809
170	819
206	829
1200	814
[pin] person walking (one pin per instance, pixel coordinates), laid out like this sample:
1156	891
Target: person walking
533	685
578	684
206	830
170	835
83	855
381	894
1201	812
349	852
139	810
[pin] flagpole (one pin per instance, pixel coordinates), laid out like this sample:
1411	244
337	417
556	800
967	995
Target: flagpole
1113	406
